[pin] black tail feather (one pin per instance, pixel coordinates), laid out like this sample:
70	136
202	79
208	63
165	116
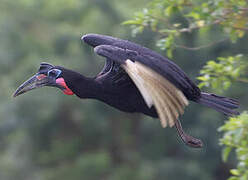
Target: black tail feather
219	103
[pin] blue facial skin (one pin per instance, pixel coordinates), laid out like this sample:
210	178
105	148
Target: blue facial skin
54	73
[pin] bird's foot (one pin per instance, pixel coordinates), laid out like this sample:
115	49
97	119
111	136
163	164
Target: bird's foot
191	141
187	139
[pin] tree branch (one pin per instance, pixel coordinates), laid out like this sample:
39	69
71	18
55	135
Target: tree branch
200	47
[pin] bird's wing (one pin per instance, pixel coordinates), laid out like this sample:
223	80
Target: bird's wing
107	67
168	100
151	59
156	90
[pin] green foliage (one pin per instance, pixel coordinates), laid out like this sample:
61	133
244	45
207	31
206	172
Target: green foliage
235	138
221	74
172	18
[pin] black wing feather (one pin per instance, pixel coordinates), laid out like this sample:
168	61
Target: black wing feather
107	66
120	50
121	55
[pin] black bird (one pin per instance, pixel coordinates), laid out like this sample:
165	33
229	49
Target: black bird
134	79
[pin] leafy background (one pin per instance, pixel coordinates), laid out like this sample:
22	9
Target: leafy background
45	135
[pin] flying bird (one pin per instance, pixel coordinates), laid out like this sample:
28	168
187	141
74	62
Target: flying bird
133	79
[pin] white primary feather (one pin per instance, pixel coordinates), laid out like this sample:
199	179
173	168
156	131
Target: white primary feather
156	90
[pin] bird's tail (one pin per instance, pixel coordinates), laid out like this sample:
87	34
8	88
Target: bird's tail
219	103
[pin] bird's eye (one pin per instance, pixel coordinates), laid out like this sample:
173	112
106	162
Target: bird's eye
54	73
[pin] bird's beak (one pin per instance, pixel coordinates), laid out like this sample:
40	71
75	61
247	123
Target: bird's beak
36	81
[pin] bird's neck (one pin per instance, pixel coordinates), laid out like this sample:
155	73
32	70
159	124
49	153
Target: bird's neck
87	88
83	87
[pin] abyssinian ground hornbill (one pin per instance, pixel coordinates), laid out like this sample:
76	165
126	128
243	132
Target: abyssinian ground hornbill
134	79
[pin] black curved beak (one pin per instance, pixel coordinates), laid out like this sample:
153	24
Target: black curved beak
36	81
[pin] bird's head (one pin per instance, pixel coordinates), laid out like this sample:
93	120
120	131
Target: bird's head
47	75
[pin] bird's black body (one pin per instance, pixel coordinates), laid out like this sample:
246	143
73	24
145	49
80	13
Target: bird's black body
114	86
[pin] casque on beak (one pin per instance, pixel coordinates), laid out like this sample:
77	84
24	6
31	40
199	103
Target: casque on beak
36	81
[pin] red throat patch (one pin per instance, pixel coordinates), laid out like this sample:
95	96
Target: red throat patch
67	90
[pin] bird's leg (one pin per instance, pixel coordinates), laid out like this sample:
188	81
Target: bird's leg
187	139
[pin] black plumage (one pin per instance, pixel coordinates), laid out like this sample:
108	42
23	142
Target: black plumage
134	79
112	86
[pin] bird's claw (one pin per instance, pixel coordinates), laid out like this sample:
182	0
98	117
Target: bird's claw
187	139
191	141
